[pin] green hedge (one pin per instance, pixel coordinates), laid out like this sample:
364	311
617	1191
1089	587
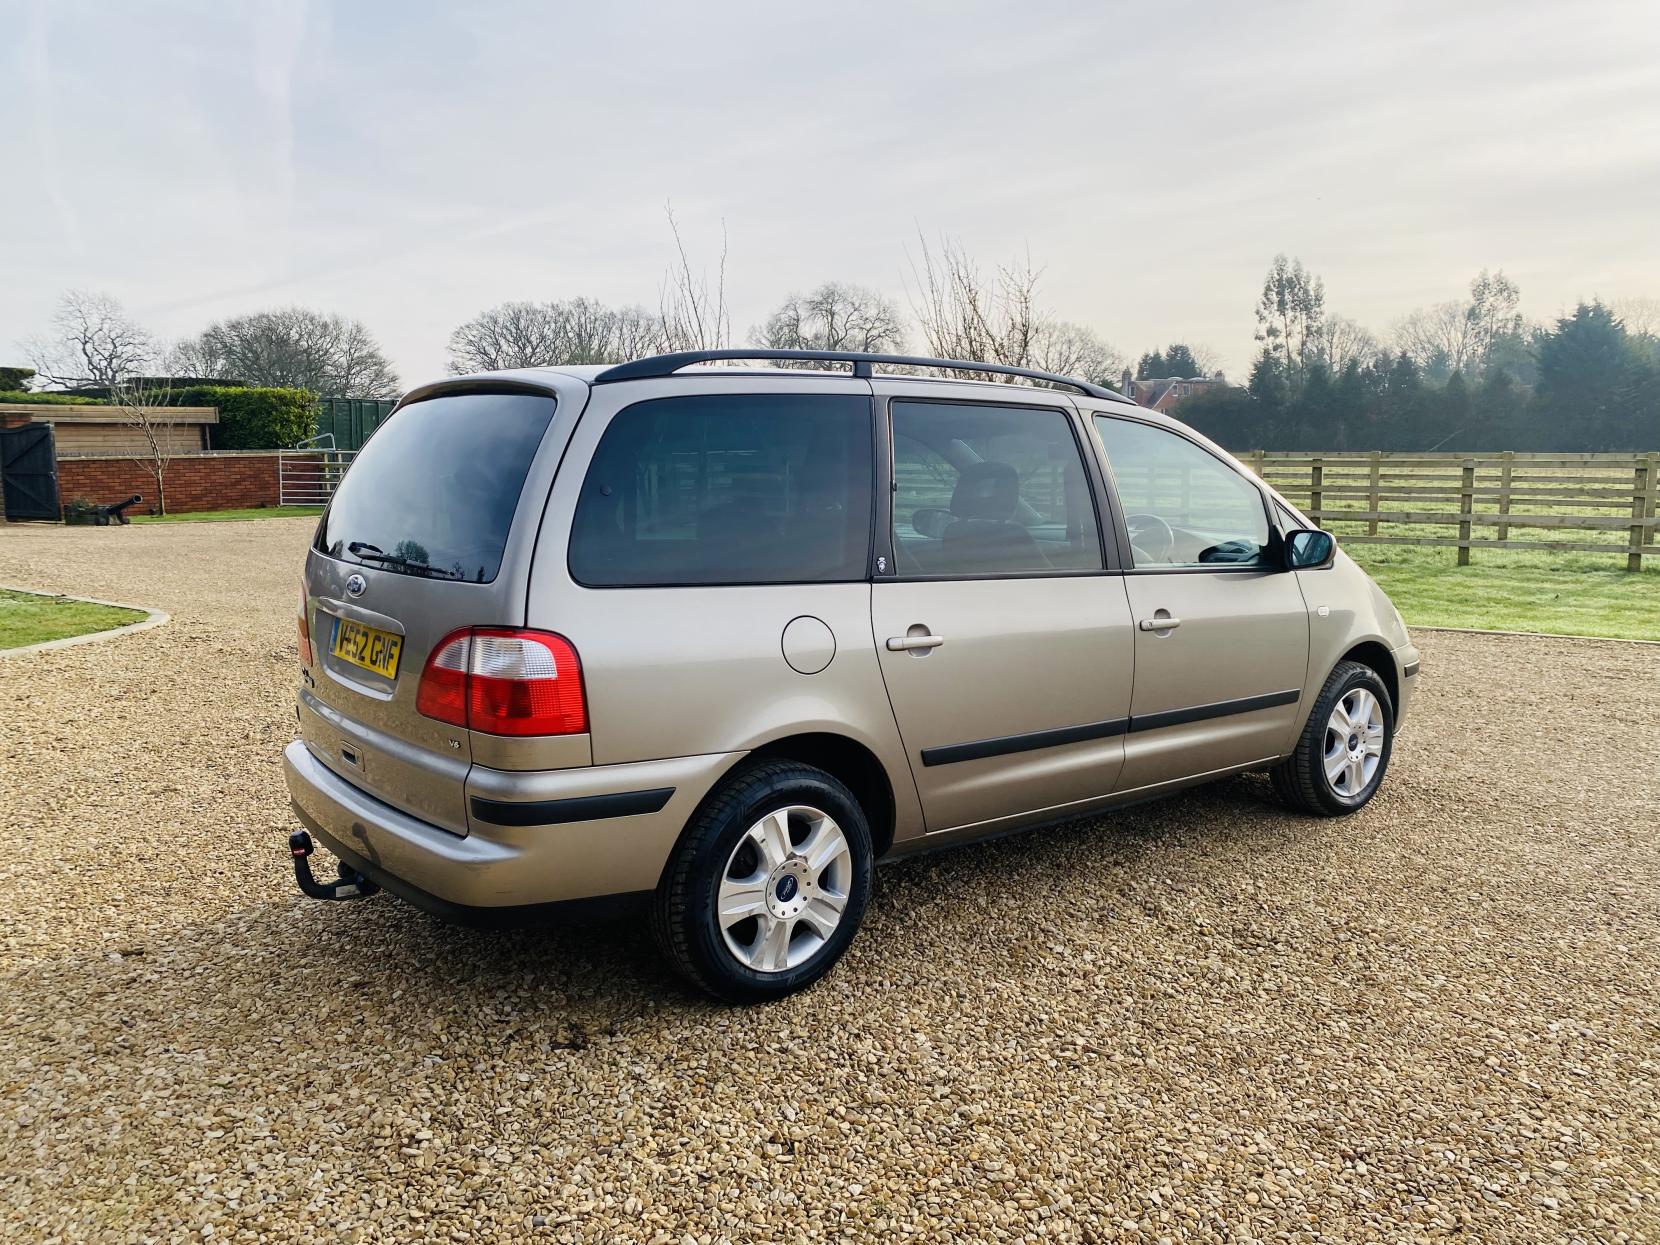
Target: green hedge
12	379
48	399
249	419
255	419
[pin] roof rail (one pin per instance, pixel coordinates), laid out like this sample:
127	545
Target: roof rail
663	365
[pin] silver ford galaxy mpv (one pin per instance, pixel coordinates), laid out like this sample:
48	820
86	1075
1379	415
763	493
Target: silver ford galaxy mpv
723	637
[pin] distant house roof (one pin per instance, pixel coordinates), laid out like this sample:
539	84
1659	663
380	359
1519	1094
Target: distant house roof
1167	392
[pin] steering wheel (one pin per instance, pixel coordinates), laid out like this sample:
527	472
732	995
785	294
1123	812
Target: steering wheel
1141	527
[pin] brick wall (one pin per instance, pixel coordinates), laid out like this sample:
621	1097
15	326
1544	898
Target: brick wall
223	481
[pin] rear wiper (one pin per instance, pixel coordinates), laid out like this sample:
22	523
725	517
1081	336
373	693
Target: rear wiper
365	552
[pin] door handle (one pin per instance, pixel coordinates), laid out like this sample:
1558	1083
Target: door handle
910	643
1160	624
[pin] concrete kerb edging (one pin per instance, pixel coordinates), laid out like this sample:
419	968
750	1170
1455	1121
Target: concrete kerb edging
1535	635
153	618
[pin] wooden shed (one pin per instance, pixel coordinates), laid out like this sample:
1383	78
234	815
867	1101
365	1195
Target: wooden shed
102	430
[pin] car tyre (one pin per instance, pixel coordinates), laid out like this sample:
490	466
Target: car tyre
1343	752
767	885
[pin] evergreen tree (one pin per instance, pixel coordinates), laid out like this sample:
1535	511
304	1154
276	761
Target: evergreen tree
1585	379
1179	361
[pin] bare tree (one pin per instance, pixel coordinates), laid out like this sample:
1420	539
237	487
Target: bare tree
1641	316
294	347
835	316
1341	341
691	315
1208	358
92	342
637	333
1436	338
509	335
1464	336
1073	350
580	330
967	315
145	404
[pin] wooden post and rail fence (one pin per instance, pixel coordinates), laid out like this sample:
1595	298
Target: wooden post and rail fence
1377	498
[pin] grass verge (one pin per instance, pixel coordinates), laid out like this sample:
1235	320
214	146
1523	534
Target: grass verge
225	516
1504	590
28	618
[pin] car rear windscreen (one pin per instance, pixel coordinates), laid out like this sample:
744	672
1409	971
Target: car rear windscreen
433	492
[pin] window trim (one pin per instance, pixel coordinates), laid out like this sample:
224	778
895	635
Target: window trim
860	577
1270	563
1094	485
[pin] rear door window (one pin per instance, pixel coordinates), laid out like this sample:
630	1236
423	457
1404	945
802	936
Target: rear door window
989	490
728	489
433	492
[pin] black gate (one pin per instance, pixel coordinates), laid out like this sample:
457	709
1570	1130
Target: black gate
29	472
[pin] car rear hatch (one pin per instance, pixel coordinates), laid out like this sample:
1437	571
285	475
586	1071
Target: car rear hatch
430	532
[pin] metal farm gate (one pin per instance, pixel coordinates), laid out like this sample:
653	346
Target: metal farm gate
29	472
308	474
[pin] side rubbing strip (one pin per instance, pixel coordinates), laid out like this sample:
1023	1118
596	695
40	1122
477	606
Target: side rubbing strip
1411	669
1221	709
1005	744
579	808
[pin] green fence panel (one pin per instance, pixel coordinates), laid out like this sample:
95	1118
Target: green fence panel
351	420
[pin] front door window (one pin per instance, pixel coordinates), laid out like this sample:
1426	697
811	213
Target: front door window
1182	505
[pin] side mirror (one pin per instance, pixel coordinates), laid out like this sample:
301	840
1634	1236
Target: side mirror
1308	549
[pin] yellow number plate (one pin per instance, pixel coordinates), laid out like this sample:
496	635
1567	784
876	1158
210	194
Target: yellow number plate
367	647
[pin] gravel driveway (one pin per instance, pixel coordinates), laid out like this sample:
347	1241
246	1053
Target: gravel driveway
1200	1019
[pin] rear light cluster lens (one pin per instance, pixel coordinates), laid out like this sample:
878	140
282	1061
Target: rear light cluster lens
505	681
305	628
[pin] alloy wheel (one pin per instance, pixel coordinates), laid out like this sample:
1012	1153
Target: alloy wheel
784	889
1354	742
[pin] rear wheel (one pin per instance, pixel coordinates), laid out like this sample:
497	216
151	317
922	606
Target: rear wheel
768	885
1343	752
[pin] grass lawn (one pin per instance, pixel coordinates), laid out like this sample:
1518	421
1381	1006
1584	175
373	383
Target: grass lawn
26	618
1510	590
224	516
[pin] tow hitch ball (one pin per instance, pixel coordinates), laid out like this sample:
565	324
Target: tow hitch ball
352	884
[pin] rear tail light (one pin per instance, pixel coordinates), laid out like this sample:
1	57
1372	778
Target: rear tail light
305	627
505	681
443	691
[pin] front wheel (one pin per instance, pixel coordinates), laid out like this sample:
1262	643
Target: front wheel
1343	752
768	885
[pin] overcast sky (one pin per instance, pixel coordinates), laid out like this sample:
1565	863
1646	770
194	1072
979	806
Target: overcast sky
412	163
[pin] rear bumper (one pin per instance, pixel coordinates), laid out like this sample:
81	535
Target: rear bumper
551	838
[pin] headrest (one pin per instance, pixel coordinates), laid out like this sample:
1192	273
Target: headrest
986	491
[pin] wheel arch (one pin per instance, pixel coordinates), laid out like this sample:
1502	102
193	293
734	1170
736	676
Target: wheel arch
848	761
1375	655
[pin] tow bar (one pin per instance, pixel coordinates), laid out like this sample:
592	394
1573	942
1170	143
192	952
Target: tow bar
352	884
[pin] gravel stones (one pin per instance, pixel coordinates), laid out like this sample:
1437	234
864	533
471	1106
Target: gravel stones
1203	1019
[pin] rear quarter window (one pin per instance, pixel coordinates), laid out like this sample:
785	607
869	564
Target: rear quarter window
727	489
433	492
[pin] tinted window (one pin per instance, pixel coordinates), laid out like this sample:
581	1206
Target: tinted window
1182	504
984	490
728	489
434	490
